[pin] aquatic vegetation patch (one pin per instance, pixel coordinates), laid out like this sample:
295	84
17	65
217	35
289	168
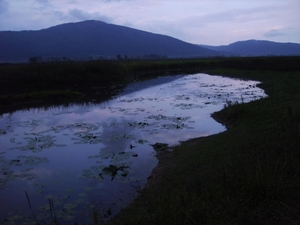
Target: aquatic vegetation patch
8	172
121	156
94	173
120	136
138	125
37	143
182	97
14	220
160	146
113	171
141	141
173	126
169	118
3	183
87	138
119	165
114	157
55	208
35	160
103	154
178	121
185	106
139	99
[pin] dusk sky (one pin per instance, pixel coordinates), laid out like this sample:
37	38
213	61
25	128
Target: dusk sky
211	22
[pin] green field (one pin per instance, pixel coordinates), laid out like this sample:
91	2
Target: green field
249	174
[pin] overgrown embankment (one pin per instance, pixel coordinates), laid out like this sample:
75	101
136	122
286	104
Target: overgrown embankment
246	175
56	81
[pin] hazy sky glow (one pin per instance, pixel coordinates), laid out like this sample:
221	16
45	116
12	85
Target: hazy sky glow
212	22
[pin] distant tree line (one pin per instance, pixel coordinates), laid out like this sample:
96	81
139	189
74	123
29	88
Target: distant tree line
119	57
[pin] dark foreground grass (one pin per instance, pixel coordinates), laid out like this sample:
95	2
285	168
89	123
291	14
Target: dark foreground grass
246	175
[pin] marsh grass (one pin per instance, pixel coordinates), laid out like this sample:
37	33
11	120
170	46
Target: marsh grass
73	76
29	204
96	217
30	97
22	78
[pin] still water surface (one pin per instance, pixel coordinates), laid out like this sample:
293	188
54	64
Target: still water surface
73	160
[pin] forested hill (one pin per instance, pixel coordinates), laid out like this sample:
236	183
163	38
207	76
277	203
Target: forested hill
93	39
257	48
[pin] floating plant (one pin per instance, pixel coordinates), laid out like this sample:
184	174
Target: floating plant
141	141
160	146
138	124
35	160
170	118
182	97
122	156
112	170
2	183
87	138
37	143
10	175
173	126
187	106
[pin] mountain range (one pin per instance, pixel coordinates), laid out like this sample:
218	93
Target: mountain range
96	39
257	48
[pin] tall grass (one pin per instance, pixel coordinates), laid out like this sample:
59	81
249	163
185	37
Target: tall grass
21	78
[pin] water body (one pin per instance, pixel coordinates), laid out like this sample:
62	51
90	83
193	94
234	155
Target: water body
66	162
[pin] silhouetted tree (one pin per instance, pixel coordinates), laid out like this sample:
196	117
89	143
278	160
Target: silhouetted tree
35	59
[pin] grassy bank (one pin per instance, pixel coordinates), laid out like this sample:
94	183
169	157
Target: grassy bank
50	82
246	175
21	83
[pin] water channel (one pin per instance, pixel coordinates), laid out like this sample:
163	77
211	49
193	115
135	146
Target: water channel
69	161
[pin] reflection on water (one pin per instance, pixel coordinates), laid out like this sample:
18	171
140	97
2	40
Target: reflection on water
76	159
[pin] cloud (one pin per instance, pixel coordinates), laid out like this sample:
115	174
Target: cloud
238	16
196	21
42	1
209	26
79	14
82	15
113	0
72	2
274	33
3	6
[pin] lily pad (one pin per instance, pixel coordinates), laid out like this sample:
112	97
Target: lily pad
113	170
40	192
26	170
121	157
2	184
35	160
141	141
